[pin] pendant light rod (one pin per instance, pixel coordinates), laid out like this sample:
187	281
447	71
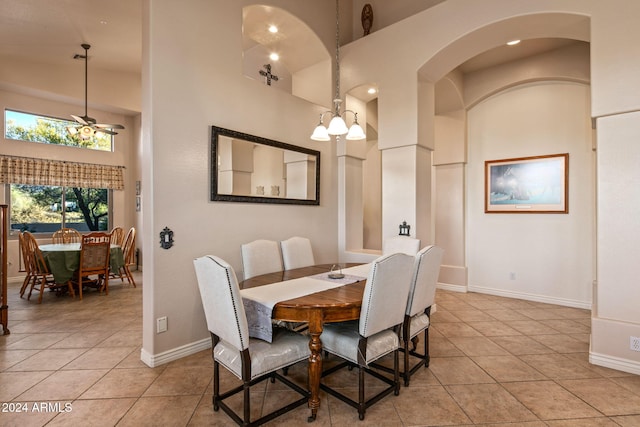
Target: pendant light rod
337	125
86	48
337	76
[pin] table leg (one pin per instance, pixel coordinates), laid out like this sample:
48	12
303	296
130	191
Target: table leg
315	362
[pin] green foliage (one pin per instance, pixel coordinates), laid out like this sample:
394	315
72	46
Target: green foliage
54	131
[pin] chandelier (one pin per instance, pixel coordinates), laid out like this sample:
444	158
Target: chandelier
337	126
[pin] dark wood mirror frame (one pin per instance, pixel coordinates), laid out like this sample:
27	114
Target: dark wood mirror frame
216	195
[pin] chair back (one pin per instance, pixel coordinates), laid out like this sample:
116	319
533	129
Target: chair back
426	269
260	257
24	262
221	301
37	264
129	247
66	235
401	244
297	253
117	236
94	253
385	293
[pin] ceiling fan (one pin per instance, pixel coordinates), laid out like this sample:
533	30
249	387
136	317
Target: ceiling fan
87	126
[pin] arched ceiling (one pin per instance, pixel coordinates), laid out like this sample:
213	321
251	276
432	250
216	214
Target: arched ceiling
295	43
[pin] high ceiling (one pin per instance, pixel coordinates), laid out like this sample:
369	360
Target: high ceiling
51	31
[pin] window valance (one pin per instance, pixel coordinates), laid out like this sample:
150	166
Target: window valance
27	170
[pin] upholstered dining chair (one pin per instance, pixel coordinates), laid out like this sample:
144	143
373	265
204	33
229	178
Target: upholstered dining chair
66	235
41	276
117	236
260	257
94	260
377	333
403	244
251	360
422	295
297	253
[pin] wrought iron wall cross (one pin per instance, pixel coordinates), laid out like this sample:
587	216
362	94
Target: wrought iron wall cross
268	77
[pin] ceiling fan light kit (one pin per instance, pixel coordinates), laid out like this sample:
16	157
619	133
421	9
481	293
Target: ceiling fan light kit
87	126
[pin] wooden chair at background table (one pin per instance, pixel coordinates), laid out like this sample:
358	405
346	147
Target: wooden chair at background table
26	262
117	236
377	333
94	260
41	276
129	255
66	235
250	359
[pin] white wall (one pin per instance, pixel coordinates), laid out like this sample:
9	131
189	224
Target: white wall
551	255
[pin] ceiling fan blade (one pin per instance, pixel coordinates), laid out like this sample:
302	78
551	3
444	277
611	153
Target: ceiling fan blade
107	131
108	126
79	120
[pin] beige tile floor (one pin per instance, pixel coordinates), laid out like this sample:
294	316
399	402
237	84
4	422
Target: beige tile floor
495	362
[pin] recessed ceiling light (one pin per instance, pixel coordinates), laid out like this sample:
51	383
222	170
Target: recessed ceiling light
273	29
513	42
103	22
274	56
371	90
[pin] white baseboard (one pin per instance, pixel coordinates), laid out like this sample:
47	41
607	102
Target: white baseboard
616	363
153	360
452	288
532	297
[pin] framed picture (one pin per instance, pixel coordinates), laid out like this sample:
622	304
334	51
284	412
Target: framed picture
537	184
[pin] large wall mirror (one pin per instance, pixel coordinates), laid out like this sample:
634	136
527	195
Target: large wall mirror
251	169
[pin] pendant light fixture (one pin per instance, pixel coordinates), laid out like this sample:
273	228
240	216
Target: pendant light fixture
337	126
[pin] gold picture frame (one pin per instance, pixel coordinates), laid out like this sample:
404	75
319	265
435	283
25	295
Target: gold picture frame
536	184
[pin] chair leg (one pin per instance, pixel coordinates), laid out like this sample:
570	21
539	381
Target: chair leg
427	359
406	367
246	403
361	403
216	385
129	275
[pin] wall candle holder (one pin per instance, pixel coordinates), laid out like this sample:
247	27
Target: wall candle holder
404	229
166	238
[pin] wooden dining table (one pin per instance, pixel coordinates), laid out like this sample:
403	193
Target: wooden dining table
63	259
332	305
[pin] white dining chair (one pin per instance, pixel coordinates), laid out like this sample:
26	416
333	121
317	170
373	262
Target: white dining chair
251	360
377	333
297	253
260	257
401	244
422	294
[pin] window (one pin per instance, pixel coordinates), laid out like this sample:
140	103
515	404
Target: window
49	130
44	209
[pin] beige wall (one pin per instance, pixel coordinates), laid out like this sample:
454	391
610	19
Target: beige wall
430	44
550	255
192	80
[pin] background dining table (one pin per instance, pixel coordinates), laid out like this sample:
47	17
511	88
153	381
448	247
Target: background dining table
63	259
